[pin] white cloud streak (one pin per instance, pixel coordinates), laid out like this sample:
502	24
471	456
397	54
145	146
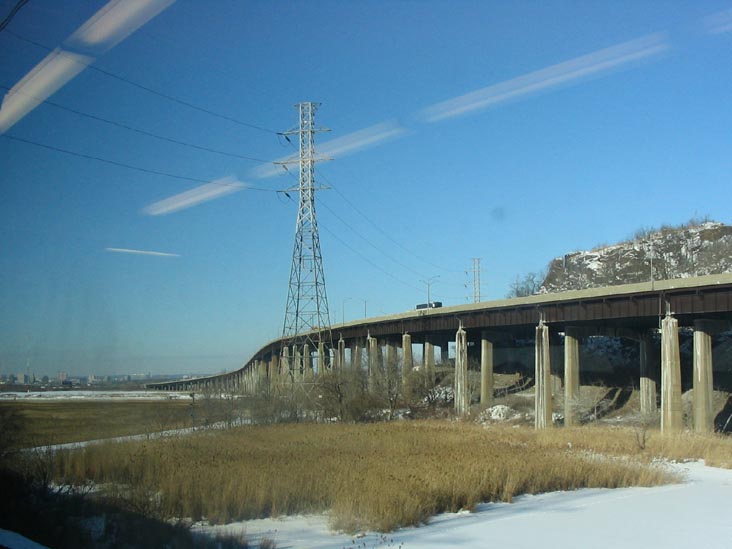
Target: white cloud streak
115	22
555	75
111	24
140	252
362	139
719	22
56	69
188	199
339	147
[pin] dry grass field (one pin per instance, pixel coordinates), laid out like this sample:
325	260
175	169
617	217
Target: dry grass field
58	421
377	476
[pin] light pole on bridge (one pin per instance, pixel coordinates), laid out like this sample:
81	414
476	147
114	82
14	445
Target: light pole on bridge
429	282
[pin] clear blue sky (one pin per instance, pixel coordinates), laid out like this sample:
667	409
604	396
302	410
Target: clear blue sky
519	131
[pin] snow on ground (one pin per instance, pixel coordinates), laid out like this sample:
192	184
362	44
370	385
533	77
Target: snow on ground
95	395
692	514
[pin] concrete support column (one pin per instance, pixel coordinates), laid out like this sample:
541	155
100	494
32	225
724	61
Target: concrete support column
542	388
391	362
285	364
648	376
486	371
275	369
341	360
307	365
702	395
255	373
407	360
321	357
444	353
557	361
372	351
571	375
356	355
297	362
671	411
428	359
462	391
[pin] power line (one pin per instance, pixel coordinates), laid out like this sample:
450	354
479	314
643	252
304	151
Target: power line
367	260
150	90
120	164
385	233
12	14
140	131
374	246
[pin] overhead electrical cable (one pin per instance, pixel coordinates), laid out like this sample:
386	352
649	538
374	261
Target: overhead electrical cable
385	233
150	90
12	14
144	132
367	260
122	164
374	246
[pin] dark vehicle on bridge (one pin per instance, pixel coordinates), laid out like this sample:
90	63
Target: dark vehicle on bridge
430	305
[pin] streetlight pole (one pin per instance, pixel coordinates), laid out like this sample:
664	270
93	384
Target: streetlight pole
429	284
364	307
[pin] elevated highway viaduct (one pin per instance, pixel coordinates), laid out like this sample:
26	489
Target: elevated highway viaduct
557	323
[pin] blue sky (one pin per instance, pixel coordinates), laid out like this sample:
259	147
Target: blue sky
510	131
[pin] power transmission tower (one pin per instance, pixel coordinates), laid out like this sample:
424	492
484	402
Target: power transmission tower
476	279
306	315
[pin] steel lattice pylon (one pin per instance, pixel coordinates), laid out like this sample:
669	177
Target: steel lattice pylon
306	314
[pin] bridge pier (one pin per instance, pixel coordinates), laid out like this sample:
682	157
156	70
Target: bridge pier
486	371
274	367
263	376
444	353
355	355
428	362
407	360
649	370
321	357
372	352
556	357
295	363
542	388
703	393
307	362
392	373
671	410
286	364
462	391
341	356
571	375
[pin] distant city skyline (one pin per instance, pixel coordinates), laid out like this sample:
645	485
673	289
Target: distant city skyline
142	220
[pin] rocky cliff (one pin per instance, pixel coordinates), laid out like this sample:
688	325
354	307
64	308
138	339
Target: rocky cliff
691	250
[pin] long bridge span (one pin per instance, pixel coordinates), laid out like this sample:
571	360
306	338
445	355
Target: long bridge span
637	311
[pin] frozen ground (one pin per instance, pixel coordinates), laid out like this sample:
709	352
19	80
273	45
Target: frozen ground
94	395
693	514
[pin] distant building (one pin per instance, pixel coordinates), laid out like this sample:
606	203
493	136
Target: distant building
63	376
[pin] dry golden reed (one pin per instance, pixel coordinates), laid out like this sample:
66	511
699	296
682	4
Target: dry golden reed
376	476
